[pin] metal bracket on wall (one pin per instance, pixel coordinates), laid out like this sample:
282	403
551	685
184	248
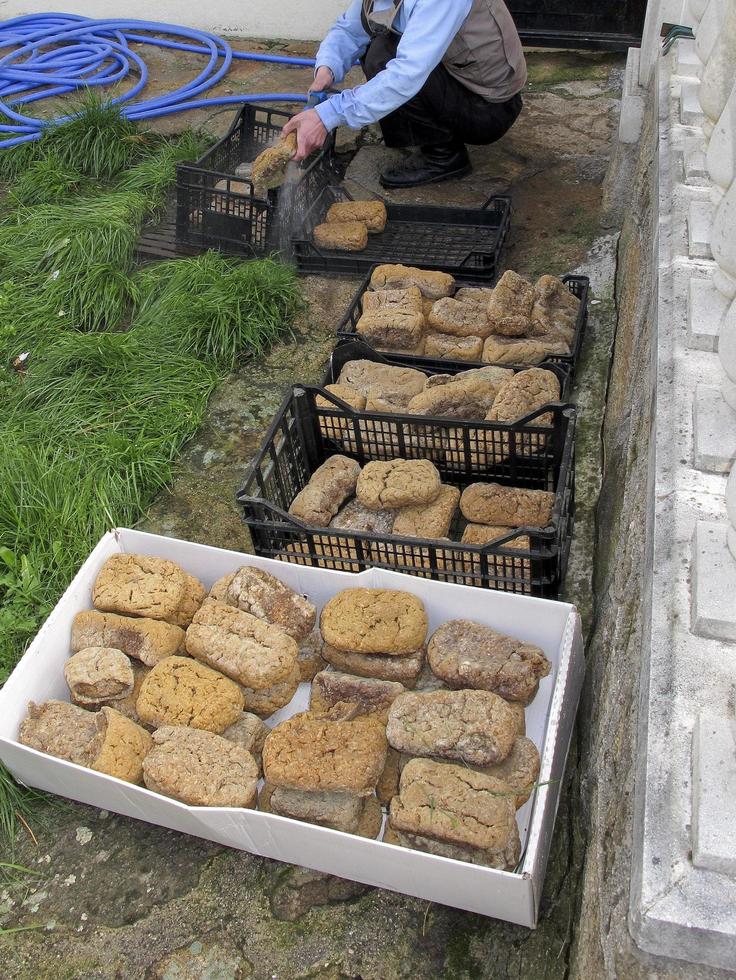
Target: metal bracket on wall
673	32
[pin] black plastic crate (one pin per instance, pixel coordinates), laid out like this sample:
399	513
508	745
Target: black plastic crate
464	241
354	349
303	436
231	217
578	285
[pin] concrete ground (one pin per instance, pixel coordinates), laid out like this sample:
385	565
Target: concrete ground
113	898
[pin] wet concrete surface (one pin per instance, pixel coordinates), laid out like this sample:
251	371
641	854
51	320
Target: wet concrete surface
114	898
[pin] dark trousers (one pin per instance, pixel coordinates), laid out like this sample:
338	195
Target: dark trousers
442	111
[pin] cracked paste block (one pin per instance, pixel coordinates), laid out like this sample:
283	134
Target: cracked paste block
370	695
345	236
404	669
355	517
62	730
370	814
200	768
310	660
524	393
555	311
339	811
97	674
385	485
329	487
475	727
521	351
345	393
428	520
269	167
371	213
513	296
264	596
480	295
374	621
180	691
463	398
459	319
155	588
519	770
391	329
453	348
370	376
147	640
432	285
127	705
124	746
310	752
249	733
503	506
469	655
265	700
393	301
249	650
452	805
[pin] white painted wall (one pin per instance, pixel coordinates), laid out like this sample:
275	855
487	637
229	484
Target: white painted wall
304	20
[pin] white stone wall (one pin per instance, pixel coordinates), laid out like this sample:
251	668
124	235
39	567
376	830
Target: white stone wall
683	897
304	20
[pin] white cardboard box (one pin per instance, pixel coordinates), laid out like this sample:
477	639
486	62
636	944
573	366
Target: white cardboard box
513	896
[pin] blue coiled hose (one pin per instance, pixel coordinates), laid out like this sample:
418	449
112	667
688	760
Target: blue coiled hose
55	54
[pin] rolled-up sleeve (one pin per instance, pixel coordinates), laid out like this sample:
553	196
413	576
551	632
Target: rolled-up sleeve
430	27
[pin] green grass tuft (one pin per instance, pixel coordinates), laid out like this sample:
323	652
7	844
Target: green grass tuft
96	140
219	309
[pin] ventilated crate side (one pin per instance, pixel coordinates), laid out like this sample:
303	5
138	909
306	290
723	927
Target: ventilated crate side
526	560
464	241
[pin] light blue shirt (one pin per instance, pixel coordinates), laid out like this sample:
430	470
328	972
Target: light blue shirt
426	26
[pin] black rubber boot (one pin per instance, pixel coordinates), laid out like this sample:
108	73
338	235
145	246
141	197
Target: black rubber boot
429	166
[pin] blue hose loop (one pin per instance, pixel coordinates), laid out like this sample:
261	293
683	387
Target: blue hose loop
56	54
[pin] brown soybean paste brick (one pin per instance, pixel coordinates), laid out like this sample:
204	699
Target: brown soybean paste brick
141	585
524	393
200	768
453	348
250	651
374	621
313	753
62	730
148	640
371	213
383	485
475	727
371	376
264	701
97	674
124	746
269	167
264	596
469	655
458	806
372	696
396	329
180	691
310	660
127	705
521	350
329	487
343	236
249	733
404	669
451	316
340	811
492	503
433	285
429	520
555	310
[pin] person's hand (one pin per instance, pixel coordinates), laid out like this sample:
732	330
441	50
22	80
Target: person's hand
310	132
323	79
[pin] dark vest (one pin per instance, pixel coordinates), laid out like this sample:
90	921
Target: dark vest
485	55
